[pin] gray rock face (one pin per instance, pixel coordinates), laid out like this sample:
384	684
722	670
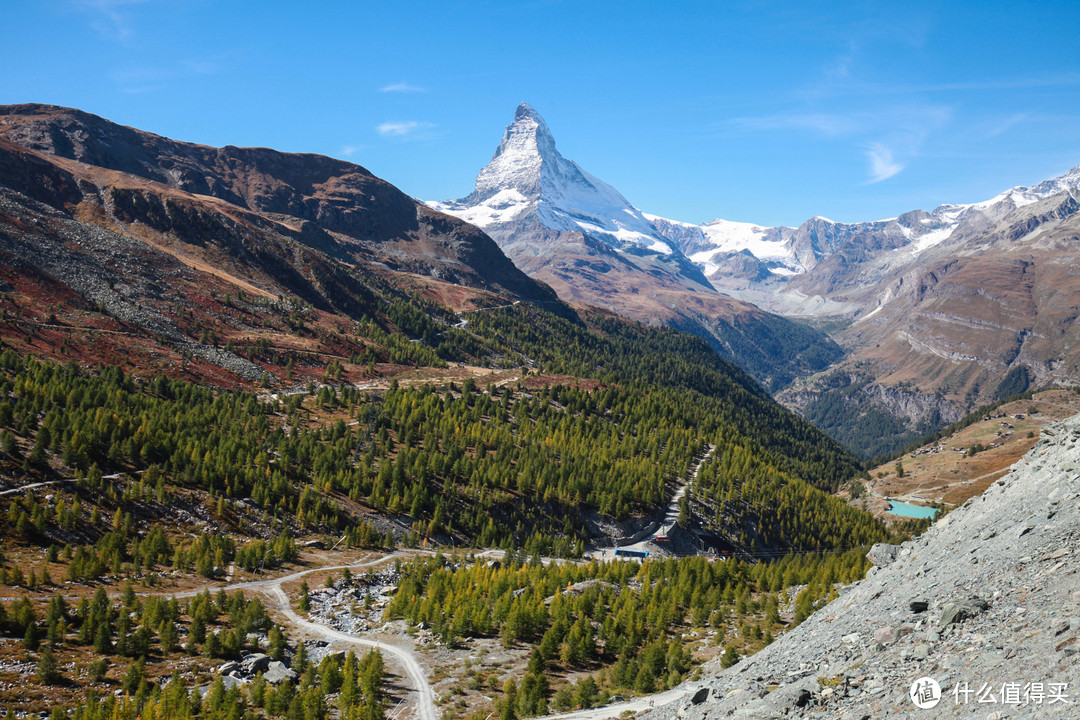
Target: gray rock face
1013	617
229	668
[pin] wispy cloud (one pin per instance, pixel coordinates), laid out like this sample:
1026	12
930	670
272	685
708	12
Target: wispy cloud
1005	125
110	18
833	85
137	79
409	129
913	118
830	124
882	164
350	150
889	136
402	87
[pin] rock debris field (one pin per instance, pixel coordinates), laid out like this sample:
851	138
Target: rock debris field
986	604
355	608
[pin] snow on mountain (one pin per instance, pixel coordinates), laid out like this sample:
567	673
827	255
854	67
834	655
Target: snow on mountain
528	175
789	251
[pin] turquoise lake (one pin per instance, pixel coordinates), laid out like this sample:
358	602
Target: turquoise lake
912	511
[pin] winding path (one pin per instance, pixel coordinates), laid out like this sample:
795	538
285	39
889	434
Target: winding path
636	705
425	697
31	486
642	538
406	658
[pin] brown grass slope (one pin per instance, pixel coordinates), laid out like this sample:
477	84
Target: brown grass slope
334	206
122	246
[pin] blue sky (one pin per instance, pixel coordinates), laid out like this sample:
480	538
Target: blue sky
768	112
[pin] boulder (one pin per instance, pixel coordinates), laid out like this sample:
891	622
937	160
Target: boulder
700	696
954	612
918	606
883	554
278	673
254	663
885	636
229	668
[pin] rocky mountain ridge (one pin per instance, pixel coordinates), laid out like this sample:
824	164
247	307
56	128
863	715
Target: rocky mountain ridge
330	204
121	246
990	311
985	602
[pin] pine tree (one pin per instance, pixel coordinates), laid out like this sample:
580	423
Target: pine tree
31	640
509	700
47	670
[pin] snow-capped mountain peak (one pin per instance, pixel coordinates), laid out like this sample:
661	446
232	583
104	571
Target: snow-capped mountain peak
527	175
518	162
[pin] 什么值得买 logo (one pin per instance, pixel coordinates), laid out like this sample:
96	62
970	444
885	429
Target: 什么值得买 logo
925	693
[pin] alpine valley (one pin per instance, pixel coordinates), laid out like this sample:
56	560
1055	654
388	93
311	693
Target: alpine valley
242	370
936	312
279	441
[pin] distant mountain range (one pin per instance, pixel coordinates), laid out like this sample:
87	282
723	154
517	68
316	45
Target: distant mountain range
753	262
579	235
937	311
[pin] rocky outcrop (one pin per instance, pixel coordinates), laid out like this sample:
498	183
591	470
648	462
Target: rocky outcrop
986	603
244	670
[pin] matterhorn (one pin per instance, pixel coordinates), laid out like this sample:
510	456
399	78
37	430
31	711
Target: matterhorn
578	234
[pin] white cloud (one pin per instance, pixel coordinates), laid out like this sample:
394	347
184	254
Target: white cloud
410	128
109	17
882	164
402	87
